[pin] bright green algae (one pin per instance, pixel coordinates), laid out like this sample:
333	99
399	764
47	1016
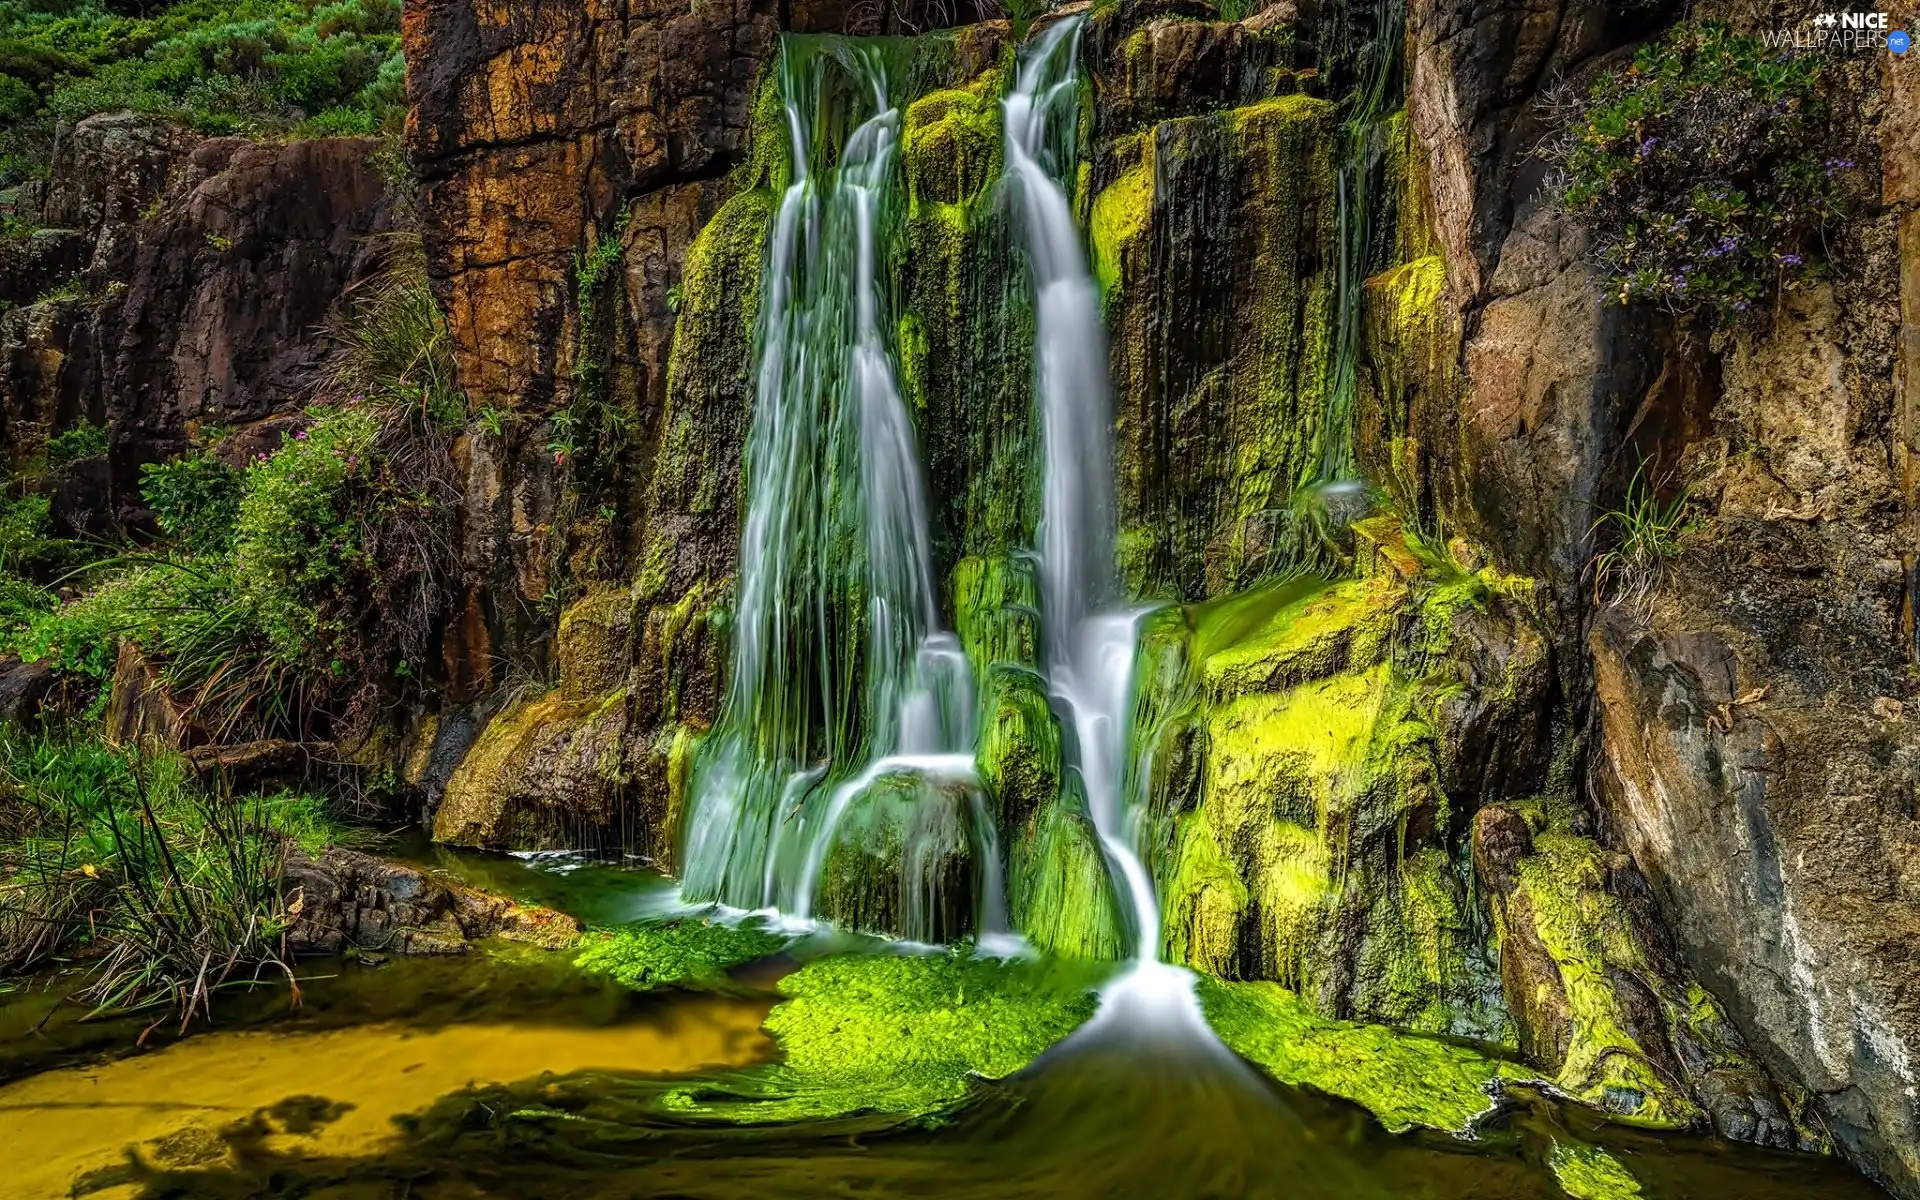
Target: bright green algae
903	1035
1403	1080
1590	1173
685	953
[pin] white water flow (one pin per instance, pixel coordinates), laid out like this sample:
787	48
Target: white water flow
1089	646
828	411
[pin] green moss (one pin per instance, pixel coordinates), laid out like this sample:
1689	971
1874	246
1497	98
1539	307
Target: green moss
901	1035
1121	212
1590	1173
952	146
1253	644
1019	755
1205	902
995	604
683	747
684	953
1404	1080
1062	899
1587	933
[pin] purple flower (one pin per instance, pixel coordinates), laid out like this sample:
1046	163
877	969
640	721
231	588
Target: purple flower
353	460
300	436
1789	260
1647	146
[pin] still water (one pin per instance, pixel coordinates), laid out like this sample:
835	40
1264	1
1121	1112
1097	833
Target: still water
508	1074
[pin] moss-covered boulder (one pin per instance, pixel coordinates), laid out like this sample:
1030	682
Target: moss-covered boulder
1598	995
546	773
1062	898
1315	743
902	860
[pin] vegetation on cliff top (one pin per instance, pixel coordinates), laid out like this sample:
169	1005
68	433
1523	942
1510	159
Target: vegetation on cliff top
260	67
290	589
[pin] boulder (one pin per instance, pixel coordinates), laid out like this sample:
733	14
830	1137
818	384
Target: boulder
346	900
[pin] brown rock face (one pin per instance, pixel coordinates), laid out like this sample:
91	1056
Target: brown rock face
533	126
209	267
1753	743
1760	753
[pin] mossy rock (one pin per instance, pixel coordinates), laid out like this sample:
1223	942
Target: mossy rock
952	146
1403	1080
1207	233
1063	898
1019	756
901	863
1583	983
1303	740
909	1035
595	642
546	773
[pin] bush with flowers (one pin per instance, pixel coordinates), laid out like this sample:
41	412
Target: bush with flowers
1700	170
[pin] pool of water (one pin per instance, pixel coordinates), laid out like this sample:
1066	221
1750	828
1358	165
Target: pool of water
508	1074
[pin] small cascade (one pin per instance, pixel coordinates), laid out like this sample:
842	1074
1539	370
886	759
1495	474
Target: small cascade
843	675
1088	646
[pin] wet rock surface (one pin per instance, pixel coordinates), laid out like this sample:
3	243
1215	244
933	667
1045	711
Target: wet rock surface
346	900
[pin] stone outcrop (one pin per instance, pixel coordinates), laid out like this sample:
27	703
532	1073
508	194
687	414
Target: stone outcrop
1749	738
346	900
1760	755
202	273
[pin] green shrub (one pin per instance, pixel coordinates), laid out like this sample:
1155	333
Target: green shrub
195	498
298	532
1700	171
82	440
23	533
398	353
220	66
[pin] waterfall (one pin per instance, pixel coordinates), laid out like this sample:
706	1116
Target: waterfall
1089	646
842	673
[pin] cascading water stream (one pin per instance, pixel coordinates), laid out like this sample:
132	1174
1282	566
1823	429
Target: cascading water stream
797	740
1089	646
